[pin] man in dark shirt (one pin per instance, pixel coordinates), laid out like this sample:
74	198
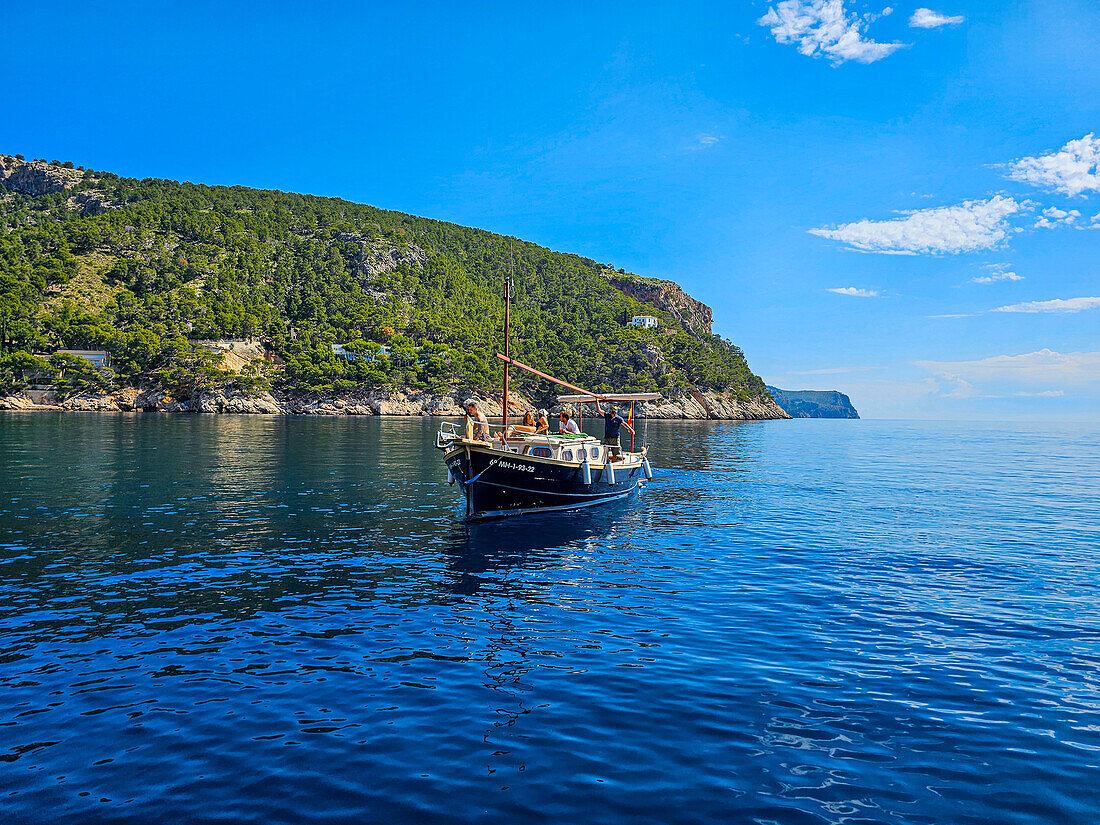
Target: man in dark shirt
612	421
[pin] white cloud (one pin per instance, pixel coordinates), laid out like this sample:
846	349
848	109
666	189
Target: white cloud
970	226
997	272
1062	305
854	291
822	28
928	19
1054	216
1071	170
1044	366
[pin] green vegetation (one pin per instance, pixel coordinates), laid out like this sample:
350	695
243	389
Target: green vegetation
142	267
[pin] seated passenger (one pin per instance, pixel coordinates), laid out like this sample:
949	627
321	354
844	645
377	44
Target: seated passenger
543	427
528	426
568	425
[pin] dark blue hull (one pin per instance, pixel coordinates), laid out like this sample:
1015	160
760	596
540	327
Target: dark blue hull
505	484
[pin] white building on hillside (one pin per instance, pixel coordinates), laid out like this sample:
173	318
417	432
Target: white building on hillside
645	321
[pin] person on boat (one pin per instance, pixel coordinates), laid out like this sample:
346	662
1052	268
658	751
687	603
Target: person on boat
612	421
568	425
543	427
477	425
528	425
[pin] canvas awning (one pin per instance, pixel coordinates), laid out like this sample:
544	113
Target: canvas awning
610	396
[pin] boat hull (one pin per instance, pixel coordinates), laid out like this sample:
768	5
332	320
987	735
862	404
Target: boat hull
500	484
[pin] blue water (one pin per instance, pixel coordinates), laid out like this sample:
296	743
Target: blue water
264	620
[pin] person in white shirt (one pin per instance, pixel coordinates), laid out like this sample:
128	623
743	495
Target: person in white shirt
568	425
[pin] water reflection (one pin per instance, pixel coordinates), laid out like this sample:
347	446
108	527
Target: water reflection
777	627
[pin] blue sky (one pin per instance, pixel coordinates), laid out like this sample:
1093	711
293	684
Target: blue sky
935	164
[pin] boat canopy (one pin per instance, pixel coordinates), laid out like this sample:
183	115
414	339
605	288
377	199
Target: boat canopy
610	396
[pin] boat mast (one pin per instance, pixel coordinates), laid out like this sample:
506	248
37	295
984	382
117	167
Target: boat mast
507	330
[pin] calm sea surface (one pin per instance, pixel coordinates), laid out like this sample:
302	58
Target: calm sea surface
264	620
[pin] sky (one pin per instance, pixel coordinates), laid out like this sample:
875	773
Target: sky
899	202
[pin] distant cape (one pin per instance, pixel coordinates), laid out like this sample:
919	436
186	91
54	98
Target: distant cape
814	403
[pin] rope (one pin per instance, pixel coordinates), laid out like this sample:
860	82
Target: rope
488	467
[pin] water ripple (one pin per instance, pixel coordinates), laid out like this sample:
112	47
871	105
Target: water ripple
267	620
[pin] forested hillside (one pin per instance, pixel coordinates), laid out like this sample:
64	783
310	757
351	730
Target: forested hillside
145	268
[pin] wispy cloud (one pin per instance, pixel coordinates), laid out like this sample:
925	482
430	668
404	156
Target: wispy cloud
823	28
997	272
705	141
1072	170
1060	305
1044	366
969	226
928	19
855	292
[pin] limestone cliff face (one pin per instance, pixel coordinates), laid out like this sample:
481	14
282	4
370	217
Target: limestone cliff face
694	315
694	406
37	177
702	406
378	255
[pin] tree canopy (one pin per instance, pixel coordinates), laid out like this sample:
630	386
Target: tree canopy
141	268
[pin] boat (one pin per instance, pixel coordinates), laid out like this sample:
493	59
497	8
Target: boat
516	473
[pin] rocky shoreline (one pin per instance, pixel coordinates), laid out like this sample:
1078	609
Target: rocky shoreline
691	406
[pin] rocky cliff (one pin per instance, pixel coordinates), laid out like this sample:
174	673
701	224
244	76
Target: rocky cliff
37	177
814	403
692	406
666	295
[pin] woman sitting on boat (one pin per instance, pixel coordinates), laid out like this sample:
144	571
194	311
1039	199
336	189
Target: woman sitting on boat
543	427
528	426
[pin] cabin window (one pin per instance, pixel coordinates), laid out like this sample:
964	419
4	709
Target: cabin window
541	452
594	454
582	454
566	455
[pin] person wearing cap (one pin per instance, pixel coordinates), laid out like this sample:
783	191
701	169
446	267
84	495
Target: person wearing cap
543	425
477	425
612	421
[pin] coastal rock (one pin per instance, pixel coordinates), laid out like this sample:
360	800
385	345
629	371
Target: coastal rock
715	406
84	402
126	399
19	401
690	406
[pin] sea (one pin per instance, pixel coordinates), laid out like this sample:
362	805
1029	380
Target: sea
237	619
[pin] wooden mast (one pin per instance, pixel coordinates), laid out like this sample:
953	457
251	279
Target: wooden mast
507	331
